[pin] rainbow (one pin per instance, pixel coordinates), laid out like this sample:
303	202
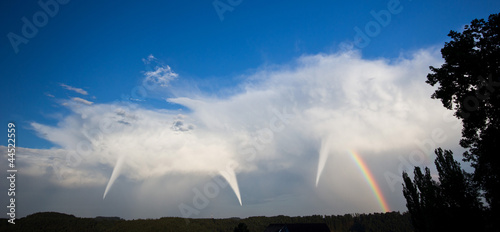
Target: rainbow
371	180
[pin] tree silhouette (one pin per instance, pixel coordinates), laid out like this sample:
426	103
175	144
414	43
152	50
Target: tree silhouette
469	84
422	199
450	204
458	190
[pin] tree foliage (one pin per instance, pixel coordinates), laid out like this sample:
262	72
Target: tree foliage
451	204
469	83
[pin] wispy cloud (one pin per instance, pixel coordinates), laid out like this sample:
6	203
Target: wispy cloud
78	90
149	59
301	120
157	74
81	100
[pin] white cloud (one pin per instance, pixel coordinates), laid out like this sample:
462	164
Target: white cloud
81	100
51	164
149	59
77	90
161	76
157	74
299	119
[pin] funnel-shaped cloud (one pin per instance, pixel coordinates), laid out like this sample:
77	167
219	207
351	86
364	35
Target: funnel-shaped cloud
114	175
230	177
323	156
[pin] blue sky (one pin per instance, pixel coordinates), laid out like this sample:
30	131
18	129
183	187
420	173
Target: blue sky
212	61
99	46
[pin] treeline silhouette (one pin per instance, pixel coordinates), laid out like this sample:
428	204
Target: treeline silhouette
51	221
